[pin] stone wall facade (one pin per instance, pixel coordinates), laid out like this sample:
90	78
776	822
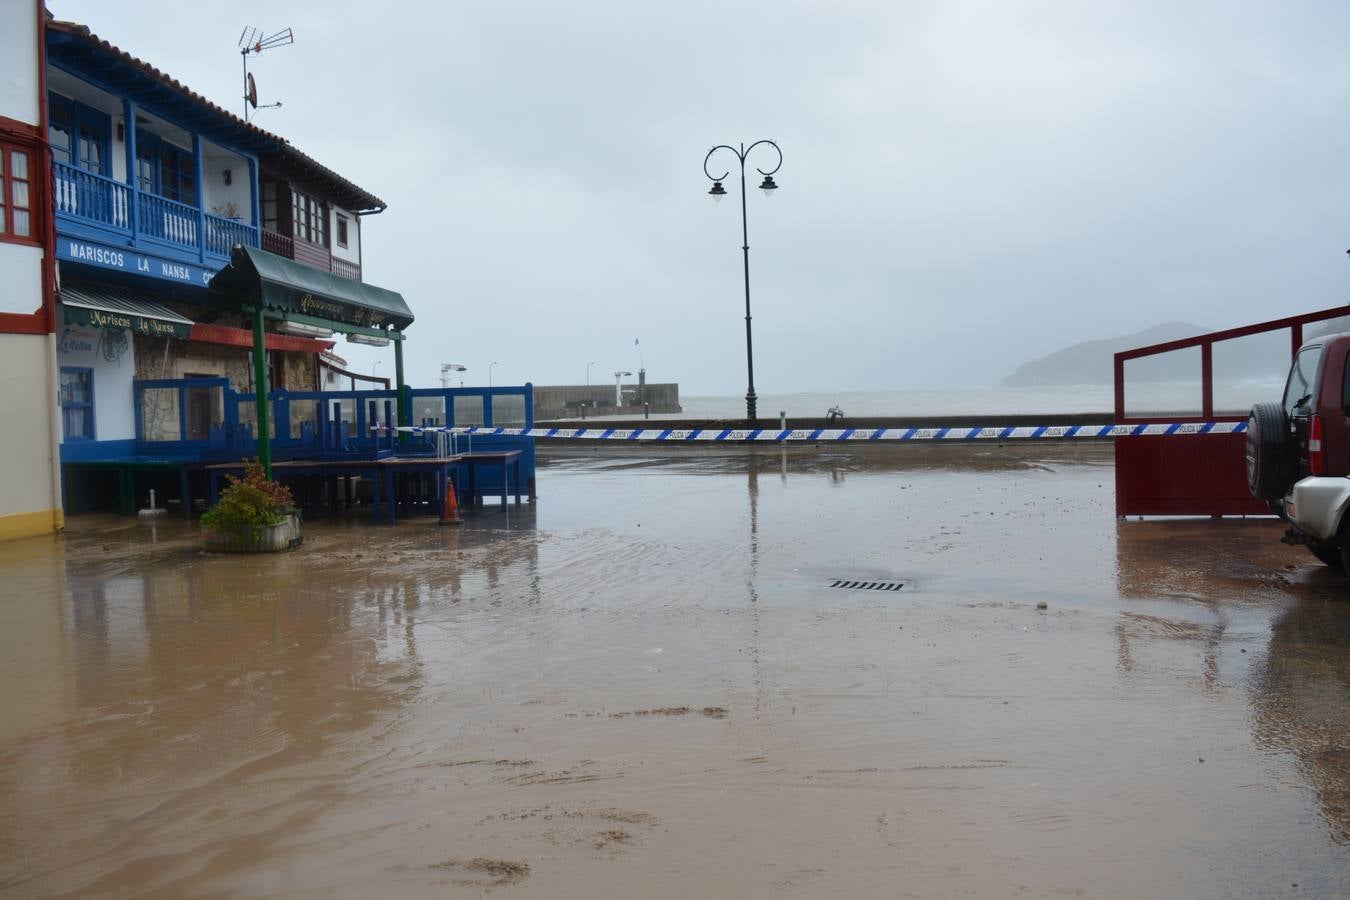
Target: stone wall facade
169	358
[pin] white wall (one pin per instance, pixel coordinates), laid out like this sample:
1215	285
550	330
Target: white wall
29	494
26	395
19	62
351	252
215	193
91	348
20	278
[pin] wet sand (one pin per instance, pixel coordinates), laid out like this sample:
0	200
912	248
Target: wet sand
645	685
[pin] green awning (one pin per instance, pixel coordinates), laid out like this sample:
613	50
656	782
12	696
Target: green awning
257	277
112	306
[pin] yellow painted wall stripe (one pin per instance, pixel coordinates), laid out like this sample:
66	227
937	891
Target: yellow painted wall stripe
31	524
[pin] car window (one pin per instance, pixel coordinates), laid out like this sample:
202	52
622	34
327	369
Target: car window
1345	385
1298	392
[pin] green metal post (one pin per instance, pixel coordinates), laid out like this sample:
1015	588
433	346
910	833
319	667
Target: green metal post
260	389
402	388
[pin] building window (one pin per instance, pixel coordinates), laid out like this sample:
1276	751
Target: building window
58	129
341	230
79	135
309	218
165	169
270	211
77	403
16	194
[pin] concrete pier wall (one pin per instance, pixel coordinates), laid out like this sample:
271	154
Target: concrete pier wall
566	401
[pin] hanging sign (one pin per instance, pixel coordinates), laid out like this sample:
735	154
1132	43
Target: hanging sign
99	318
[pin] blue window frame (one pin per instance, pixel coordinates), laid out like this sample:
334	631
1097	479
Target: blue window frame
165	169
77	403
80	135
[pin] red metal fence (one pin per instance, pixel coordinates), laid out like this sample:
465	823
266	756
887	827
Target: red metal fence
1201	474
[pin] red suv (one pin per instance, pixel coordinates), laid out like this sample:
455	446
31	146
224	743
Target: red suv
1298	451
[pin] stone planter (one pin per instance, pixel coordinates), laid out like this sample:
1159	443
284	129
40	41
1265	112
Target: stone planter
273	539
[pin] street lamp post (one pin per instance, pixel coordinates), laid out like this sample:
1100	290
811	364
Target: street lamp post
588	372
768	186
494	362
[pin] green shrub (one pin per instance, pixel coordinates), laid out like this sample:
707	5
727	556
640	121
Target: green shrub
249	503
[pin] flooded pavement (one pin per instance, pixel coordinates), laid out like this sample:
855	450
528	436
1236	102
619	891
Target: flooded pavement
646	685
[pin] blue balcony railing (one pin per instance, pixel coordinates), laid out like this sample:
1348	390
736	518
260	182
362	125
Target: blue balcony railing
223	234
167	220
84	195
97	200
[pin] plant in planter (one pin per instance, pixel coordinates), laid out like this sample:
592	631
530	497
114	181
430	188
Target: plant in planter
254	515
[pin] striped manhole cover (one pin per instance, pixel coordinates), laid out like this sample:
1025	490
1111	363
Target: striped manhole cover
868	585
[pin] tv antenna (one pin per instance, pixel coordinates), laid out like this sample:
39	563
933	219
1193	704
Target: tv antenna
252	40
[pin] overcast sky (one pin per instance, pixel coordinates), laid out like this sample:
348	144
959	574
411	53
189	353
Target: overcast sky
965	185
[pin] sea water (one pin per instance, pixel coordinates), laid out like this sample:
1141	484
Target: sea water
1142	399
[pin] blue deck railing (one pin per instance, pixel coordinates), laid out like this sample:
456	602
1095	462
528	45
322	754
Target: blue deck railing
166	219
94	198
204	419
107	204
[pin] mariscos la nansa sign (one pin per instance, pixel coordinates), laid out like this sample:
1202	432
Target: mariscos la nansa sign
119	260
97	318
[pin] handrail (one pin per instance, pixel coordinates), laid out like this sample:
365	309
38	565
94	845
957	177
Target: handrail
89	195
1206	344
222	234
168	220
81	194
297	407
1229	334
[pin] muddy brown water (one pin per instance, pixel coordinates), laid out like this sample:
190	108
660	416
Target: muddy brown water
645	685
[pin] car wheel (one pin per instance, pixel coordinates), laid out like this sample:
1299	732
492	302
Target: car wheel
1328	553
1270	452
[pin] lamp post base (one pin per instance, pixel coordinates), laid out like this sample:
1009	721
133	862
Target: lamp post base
750	414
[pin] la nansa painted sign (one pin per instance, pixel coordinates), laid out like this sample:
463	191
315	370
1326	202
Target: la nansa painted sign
333	311
78	315
121	260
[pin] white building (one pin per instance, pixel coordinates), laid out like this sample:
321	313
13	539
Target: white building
30	473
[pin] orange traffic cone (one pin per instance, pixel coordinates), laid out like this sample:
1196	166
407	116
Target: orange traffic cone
450	508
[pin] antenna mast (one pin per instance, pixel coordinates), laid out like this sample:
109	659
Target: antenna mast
252	40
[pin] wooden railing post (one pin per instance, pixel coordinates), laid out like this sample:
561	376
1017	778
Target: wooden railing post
133	180
201	201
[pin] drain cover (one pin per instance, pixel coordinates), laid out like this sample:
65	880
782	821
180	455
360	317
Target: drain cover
868	585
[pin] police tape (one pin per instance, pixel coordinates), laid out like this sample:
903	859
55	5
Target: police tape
822	435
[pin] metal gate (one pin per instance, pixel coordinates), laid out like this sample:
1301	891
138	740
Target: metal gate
1201	474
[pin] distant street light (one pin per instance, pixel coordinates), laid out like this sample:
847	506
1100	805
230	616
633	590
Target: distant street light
494	362
588	372
446	369
768	186
618	387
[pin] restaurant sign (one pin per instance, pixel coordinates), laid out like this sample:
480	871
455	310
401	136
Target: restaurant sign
98	318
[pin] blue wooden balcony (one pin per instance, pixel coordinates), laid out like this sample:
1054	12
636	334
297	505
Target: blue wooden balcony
101	208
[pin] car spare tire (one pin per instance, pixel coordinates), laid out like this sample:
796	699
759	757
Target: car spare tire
1270	452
